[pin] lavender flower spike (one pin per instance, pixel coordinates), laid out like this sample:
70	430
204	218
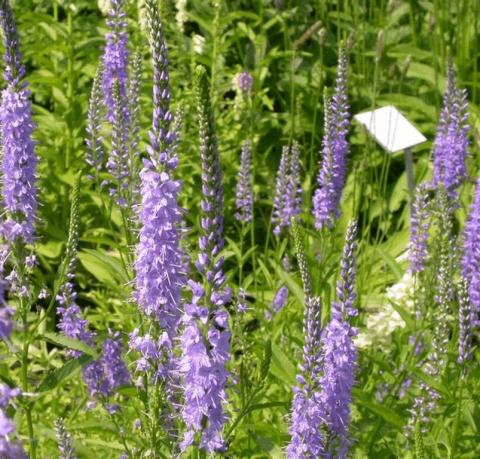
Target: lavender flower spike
64	441
306	418
159	261
19	159
331	177
115	58
288	190
205	339
419	226
451	141
93	140
244	191
293	191
464	324
71	322
340	356
471	256
162	136
278	218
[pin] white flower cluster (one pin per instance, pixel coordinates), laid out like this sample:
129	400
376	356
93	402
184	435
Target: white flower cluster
381	323
104	6
182	15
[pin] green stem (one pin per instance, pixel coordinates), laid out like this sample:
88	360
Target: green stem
28	405
458	414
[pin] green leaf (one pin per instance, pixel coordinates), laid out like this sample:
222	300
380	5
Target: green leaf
281	367
71	368
381	410
267	358
405	315
101	266
69	343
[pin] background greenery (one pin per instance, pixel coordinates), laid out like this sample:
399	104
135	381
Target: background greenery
397	55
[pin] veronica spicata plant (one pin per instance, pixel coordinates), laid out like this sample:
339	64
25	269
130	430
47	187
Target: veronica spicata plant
331	176
471	257
451	140
288	190
19	196
205	339
160	262
244	189
306	414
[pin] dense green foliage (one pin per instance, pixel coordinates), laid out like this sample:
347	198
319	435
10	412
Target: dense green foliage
397	52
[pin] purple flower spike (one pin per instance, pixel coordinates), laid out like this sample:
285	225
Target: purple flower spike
288	190
115	58
14	68
105	375
321	404
331	177
471	256
244	191
19	159
339	355
162	136
419	226
464	323
160	264
306	437
205	340
451	141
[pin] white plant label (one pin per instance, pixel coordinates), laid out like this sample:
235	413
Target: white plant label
390	128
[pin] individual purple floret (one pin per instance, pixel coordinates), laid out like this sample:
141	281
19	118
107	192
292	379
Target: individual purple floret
115	58
451	141
288	189
19	159
471	256
205	340
244	81
419	226
331	177
244	191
